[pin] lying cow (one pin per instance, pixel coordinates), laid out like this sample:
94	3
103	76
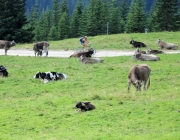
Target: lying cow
146	57
3	71
139	74
49	76
88	53
86	60
6	45
140	51
168	46
136	44
40	48
85	106
150	51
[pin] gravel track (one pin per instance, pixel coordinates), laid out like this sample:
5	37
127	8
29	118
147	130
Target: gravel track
63	53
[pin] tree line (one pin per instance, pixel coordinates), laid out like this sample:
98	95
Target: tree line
96	18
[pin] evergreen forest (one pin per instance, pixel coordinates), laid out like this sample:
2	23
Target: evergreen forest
62	19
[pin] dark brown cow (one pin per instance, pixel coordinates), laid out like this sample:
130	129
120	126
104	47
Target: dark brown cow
139	74
85	106
88	53
150	51
40	48
7	45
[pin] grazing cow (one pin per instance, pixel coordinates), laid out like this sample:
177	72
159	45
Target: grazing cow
86	60
40	48
85	106
6	45
136	44
3	71
146	57
150	51
88	53
168	46
139	74
49	76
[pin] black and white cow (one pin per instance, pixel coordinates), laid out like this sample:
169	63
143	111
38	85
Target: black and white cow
3	71
49	76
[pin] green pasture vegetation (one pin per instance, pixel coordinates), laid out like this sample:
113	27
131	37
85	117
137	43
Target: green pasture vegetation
113	42
31	110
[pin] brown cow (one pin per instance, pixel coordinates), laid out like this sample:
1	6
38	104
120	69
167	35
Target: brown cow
168	46
87	60
40	48
139	74
7	45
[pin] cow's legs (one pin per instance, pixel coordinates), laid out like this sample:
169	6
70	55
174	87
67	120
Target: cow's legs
144	84
5	51
129	85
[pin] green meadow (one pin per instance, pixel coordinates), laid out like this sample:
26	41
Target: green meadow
112	42
31	110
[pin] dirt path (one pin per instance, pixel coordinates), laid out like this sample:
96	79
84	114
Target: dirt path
62	53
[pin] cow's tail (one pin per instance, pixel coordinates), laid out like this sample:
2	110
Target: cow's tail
148	83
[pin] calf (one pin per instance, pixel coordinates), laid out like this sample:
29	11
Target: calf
85	106
6	45
3	71
86	60
88	53
146	57
139	74
40	48
136	44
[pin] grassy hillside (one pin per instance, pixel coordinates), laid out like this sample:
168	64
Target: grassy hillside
112	42
31	110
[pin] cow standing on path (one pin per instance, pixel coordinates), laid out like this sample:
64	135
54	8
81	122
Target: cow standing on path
40	48
6	45
139	74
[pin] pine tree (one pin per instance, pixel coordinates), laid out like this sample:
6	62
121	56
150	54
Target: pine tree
124	8
94	18
55	13
114	24
165	16
105	16
130	18
75	20
83	30
136	17
64	22
13	21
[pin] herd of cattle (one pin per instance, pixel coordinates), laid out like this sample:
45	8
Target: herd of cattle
138	74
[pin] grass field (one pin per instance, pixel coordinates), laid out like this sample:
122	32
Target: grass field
31	110
113	42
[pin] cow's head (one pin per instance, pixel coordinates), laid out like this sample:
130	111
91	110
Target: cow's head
37	75
137	84
132	41
82	106
12	43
